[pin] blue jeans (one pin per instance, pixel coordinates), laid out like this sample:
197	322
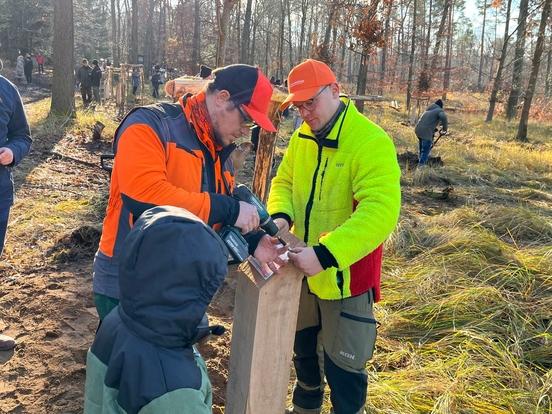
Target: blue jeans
4	215
424	148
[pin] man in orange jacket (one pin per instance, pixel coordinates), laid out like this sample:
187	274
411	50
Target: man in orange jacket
178	154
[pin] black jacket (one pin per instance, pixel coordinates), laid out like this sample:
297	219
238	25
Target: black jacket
96	76
84	76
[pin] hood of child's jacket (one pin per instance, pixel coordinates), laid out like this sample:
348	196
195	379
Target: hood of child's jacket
171	266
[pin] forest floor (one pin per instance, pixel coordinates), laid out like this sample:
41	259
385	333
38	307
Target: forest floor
467	293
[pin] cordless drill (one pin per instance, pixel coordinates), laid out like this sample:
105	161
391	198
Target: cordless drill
232	237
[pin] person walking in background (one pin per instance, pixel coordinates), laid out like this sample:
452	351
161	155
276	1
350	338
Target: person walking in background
15	143
155	82
20	69
40	60
84	77
135	79
425	128
28	68
95	81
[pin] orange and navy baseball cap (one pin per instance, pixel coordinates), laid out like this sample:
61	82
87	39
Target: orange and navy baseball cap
249	88
305	80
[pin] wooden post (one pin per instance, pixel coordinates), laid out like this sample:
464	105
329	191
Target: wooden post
265	318
265	149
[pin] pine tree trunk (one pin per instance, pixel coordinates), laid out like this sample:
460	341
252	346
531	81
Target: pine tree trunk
480	76
227	7
313	22
114	34
148	47
251	56
281	42
493	55
548	81
498	78
133	49
411	63
428	37
162	30
517	70
342	58
196	43
288	12
238	31
385	47
362	77
244	55
304	9
63	95
324	51
117	58
522	129
267	45
448	58
428	71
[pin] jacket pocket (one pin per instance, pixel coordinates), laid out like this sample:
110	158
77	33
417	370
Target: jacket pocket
355	334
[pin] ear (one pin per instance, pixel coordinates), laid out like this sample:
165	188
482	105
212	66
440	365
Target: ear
222	97
334	87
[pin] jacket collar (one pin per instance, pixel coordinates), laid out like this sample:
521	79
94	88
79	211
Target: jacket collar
332	139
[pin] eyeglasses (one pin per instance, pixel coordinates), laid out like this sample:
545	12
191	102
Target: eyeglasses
247	121
310	104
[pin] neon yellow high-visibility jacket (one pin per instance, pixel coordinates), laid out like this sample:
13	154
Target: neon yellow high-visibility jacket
342	193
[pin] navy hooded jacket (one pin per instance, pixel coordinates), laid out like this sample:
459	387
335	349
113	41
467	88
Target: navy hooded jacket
15	134
142	359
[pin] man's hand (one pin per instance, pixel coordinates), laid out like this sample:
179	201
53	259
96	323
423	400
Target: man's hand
6	156
283	225
305	259
268	252
248	218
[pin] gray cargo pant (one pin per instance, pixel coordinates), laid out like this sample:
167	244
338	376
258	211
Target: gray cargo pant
335	339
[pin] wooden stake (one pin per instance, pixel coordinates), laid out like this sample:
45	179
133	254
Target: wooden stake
265	318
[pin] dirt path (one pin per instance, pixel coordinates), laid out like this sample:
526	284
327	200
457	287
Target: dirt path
45	299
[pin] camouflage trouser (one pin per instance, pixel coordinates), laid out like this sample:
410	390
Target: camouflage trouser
335	339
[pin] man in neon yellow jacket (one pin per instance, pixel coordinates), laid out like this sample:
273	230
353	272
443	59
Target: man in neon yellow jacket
338	189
